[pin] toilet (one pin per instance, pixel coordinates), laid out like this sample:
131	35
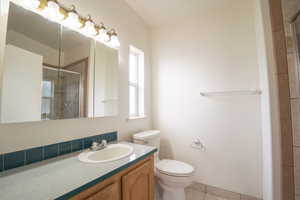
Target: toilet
172	176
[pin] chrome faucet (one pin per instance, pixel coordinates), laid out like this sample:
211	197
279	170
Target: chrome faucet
96	146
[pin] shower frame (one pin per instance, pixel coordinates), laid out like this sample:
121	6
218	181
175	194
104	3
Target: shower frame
54	68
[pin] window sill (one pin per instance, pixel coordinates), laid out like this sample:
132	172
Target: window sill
137	117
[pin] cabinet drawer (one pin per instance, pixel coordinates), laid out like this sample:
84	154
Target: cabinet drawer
110	192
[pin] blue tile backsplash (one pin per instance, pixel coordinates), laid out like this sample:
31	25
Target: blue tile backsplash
28	156
1	163
34	155
77	145
14	159
65	147
50	151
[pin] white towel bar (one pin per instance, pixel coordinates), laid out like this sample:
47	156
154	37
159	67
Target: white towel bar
231	93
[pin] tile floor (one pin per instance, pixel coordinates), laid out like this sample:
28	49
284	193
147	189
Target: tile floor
192	194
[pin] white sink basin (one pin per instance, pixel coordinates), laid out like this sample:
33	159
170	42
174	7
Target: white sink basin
111	153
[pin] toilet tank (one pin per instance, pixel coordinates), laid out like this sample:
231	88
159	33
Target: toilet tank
151	138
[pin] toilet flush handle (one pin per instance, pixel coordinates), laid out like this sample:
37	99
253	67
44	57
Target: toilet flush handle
197	144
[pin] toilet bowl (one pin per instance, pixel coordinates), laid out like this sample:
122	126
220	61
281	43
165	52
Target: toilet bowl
172	176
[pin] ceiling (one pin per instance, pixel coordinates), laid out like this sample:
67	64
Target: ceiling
158	13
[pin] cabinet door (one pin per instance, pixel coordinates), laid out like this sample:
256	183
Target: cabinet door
139	183
110	192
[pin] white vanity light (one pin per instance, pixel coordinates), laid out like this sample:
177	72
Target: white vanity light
52	11
89	28
72	21
32	4
114	40
102	34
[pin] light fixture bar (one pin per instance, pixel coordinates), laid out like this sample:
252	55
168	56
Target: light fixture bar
54	11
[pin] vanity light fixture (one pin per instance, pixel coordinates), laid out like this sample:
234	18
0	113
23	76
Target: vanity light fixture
52	10
102	35
89	28
32	4
114	40
72	20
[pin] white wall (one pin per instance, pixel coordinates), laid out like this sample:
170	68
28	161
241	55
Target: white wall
105	92
50	55
213	51
21	91
131	30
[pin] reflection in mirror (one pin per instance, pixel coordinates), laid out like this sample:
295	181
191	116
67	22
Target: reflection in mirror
32	42
51	72
74	87
106	81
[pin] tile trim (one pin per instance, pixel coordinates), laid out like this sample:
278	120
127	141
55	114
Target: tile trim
110	137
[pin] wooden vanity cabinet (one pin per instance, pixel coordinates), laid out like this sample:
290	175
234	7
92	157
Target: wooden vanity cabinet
138	184
133	183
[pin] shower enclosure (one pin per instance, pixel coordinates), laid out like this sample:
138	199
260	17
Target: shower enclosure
60	94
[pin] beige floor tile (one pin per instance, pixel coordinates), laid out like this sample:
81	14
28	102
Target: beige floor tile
223	193
192	194
246	197
212	197
297	170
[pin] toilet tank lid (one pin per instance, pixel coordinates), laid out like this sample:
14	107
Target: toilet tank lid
146	135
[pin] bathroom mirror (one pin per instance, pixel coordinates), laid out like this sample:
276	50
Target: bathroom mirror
32	43
51	72
75	83
106	81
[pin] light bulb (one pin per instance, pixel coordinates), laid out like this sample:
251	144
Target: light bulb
114	41
32	4
89	28
52	11
72	21
102	36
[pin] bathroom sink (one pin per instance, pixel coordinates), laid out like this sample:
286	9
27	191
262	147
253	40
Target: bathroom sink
111	153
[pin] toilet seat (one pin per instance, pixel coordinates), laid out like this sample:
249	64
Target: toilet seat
174	168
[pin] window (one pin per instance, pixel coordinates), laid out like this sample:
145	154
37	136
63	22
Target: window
47	99
136	83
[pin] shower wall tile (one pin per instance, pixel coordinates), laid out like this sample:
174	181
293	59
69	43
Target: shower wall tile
288	184
293	75
295	103
280	46
297	170
276	15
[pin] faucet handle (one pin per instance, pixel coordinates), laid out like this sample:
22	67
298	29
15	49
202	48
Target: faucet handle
104	142
94	145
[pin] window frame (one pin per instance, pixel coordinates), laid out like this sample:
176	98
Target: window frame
138	85
50	98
